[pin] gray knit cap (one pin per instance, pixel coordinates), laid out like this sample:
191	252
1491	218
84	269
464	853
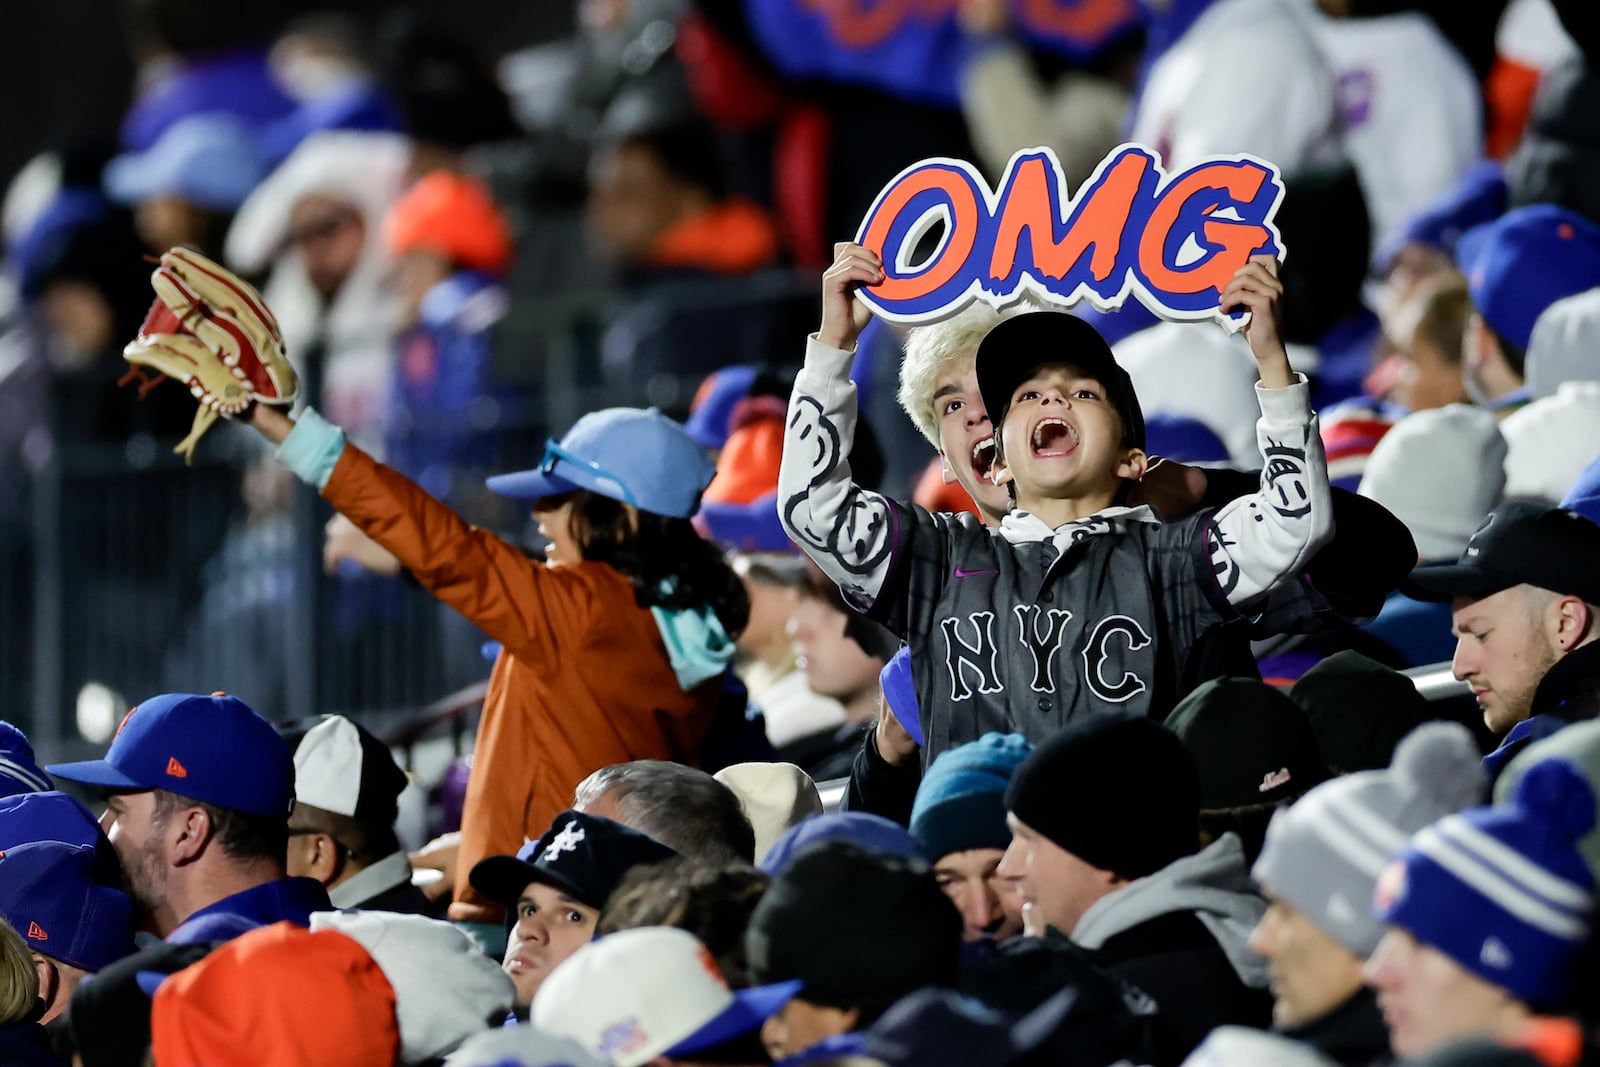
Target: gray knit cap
1324	854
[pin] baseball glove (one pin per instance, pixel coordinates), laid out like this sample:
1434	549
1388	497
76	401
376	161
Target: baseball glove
210	330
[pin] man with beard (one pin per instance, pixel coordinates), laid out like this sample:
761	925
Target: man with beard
1526	610
198	791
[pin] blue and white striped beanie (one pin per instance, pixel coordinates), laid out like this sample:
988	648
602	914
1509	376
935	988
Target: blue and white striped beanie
19	771
1503	890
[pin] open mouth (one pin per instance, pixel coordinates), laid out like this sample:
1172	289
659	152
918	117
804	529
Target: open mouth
983	456
1053	437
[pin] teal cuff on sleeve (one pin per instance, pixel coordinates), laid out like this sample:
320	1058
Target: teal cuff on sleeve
312	448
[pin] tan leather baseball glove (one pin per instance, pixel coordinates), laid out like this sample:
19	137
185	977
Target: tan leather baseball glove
210	330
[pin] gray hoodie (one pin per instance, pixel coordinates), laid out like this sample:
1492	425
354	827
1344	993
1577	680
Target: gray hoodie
1213	883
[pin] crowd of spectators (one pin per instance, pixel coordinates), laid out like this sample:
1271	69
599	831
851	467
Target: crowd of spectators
1101	618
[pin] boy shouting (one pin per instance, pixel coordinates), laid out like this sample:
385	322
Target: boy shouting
1077	604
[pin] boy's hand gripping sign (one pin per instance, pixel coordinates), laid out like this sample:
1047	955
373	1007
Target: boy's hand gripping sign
1173	241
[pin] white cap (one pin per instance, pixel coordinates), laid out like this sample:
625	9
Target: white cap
775	797
445	990
1565	346
1440	471
342	768
1551	441
637	994
364	169
1195	369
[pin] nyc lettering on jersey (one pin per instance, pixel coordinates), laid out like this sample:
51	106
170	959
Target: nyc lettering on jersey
1172	241
973	658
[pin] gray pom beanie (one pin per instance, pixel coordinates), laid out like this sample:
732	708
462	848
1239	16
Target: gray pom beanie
1324	854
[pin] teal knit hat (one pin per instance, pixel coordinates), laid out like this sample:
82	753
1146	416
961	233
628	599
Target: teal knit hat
961	802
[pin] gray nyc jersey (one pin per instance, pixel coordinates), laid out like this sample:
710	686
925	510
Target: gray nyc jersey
1026	628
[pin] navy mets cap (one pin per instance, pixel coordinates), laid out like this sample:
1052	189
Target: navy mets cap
211	748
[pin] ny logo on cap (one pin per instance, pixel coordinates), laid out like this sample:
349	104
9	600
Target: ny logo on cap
1495	954
565	841
1391	886
1273	780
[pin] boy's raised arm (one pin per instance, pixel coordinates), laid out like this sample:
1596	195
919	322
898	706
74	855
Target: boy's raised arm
1257	541
845	529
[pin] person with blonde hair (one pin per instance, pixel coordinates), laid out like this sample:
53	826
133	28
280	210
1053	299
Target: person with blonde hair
22	1039
939	392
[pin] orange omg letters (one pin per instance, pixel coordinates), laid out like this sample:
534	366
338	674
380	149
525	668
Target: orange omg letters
1172	241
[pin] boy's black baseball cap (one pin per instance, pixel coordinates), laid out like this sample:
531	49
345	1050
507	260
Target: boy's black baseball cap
1010	353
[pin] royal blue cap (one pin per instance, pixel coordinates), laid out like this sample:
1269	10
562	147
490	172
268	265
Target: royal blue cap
209	160
211	748
1477	197
31	817
1183	439
872	832
752	527
635	455
1526	260
749	1010
19	771
1584	496
713	406
52	816
900	693
49	895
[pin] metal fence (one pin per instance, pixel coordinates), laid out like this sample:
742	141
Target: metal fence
124	572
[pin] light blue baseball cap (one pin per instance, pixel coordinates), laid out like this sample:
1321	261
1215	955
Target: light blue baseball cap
210	160
635	455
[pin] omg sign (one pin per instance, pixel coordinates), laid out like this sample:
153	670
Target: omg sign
1173	241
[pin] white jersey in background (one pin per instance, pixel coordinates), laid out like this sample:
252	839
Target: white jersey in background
1247	76
1411	111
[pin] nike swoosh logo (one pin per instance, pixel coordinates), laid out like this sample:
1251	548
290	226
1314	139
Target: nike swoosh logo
968	574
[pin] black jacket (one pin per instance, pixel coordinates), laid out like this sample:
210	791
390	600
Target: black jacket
1570	690
1352	1035
1175	959
406	899
1568	693
1182	936
878	787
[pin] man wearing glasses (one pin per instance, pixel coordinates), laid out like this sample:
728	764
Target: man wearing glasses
347	789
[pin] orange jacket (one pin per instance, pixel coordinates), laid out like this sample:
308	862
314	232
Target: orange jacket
583	679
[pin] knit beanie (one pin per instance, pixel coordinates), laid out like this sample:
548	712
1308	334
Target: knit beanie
1577	744
860	928
1119	792
960	804
19	770
1324	855
1502	890
1359	710
1251	744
